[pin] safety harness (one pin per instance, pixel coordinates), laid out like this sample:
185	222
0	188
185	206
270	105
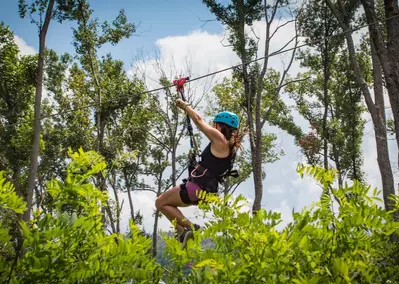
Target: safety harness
197	173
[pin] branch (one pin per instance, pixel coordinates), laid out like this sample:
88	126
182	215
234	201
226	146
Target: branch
206	21
236	186
278	51
32	20
273	12
159	141
179	175
294	81
282	80
141	33
162	114
280	26
145	189
221	41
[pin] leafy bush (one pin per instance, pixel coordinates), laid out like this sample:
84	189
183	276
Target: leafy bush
345	242
70	245
10	205
344	238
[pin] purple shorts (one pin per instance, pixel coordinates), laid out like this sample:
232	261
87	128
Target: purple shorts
189	191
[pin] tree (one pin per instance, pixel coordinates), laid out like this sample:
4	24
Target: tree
329	99
341	130
344	15
237	16
47	8
384	39
128	141
17	84
109	95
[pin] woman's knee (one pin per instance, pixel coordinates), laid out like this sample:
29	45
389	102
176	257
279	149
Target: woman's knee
170	197
158	203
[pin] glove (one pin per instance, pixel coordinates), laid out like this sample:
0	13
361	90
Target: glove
181	104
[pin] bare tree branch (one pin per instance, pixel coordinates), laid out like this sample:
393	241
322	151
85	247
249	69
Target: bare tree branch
145	189
276	4
282	48
141	33
282	25
178	176
235	187
206	21
159	141
281	84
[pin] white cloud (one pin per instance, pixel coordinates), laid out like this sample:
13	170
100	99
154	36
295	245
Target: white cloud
24	48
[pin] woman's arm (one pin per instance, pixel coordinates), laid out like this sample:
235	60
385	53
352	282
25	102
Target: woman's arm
213	134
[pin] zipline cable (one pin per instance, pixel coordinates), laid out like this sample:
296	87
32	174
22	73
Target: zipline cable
212	73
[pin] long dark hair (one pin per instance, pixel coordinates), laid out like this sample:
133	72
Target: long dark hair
233	135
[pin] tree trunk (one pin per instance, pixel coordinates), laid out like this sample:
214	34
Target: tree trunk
155	234
15	179
381	132
257	166
257	173
391	10
38	100
174	171
388	53
326	71
118	208
129	195
356	171
155	231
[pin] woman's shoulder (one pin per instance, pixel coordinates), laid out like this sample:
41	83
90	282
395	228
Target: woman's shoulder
219	150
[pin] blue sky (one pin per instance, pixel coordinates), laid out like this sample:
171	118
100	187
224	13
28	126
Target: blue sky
156	19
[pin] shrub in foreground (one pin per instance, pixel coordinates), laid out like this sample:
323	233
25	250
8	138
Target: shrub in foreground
69	244
343	238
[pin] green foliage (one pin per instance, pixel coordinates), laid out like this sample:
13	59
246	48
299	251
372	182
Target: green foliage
17	86
391	126
8	197
341	126
327	243
71	246
235	15
10	205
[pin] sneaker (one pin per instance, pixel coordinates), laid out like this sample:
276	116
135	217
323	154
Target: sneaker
185	236
188	234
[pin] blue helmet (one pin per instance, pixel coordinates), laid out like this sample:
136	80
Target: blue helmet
227	117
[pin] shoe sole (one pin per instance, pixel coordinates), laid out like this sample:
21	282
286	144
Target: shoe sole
188	235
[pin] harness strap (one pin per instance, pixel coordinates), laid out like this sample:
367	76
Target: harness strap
203	170
196	168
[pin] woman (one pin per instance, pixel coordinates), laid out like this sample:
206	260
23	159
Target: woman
216	159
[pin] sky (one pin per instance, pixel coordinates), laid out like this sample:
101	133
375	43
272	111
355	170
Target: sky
174	34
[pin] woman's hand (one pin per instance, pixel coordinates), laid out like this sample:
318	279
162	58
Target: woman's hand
212	133
181	104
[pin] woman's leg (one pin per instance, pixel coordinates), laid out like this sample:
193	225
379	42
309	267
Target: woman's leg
168	202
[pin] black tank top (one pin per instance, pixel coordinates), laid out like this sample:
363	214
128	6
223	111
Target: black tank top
216	165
